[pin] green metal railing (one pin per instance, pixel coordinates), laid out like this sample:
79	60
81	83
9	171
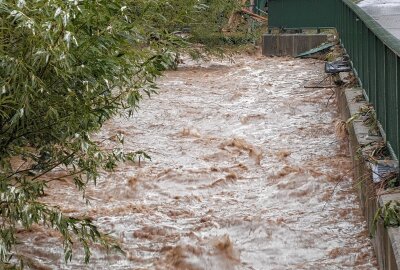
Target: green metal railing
374	52
260	5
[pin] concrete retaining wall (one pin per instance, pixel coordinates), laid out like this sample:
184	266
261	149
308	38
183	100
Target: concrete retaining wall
290	44
386	241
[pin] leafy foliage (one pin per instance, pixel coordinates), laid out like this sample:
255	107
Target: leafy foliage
389	214
368	116
66	67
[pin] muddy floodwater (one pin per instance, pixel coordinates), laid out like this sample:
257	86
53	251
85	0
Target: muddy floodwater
244	165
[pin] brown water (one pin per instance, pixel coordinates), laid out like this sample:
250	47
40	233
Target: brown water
244	159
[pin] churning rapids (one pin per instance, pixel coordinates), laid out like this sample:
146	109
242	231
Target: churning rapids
244	165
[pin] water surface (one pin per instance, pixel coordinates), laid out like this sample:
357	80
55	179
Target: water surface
244	163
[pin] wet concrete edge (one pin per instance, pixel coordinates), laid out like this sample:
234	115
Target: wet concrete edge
386	241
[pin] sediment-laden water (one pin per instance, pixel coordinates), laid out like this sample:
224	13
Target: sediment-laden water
244	163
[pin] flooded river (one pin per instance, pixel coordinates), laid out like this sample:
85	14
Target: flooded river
244	165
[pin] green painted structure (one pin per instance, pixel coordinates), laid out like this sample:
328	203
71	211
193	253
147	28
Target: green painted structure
301	13
260	5
374	52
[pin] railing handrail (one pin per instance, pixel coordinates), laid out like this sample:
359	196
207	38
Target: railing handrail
386	37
